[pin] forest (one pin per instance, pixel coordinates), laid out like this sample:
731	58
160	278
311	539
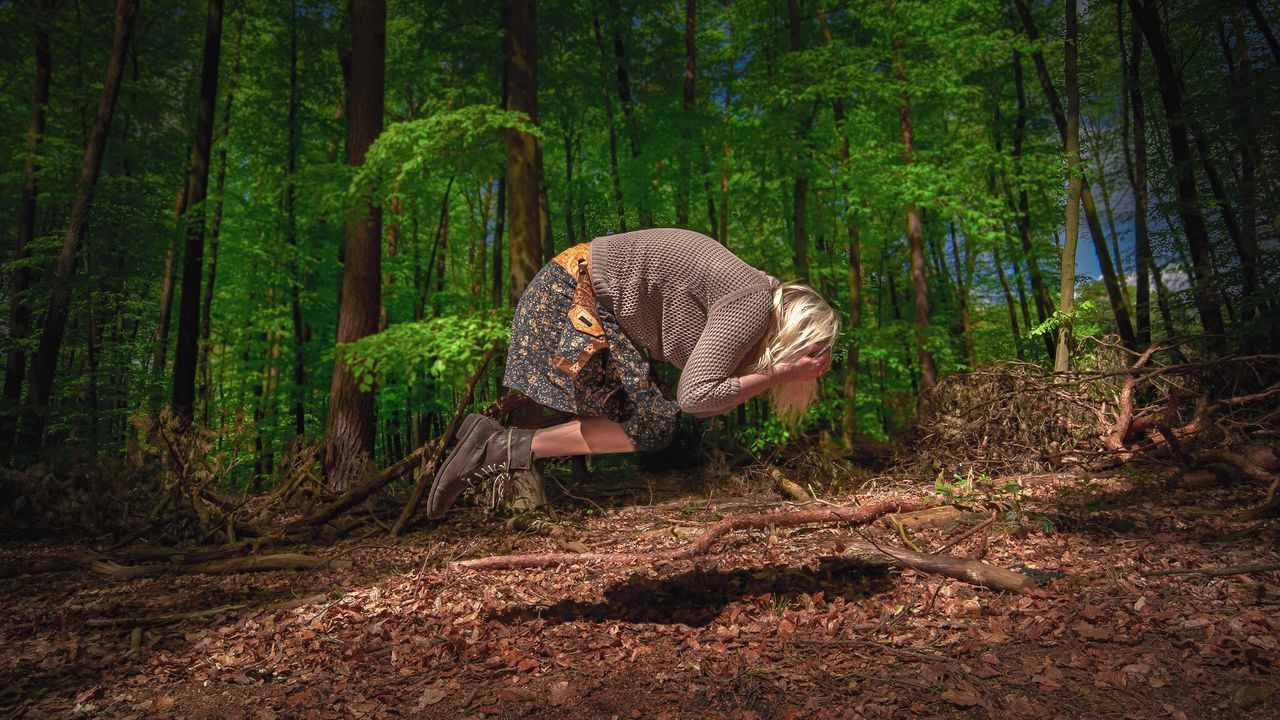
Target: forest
260	257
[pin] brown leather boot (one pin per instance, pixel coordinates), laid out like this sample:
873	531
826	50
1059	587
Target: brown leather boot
485	449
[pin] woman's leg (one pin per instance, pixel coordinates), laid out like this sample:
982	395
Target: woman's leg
582	436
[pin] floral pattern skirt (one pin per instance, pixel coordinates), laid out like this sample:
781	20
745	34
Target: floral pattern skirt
614	382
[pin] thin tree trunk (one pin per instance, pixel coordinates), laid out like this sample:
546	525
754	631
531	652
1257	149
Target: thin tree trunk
1132	74
1265	28
1208	301
962	294
683	190
1008	299
350	426
19	308
1162	298
497	297
523	202
800	187
293	267
185	352
915	230
1124	326
609	121
215	233
568	188
1067	292
46	358
1247	138
1039	288
161	351
617	27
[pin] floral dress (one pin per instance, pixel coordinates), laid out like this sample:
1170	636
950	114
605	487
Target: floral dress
569	354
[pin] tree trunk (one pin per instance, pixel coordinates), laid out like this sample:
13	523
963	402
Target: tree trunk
1008	299
1145	13
1265	28
215	233
1039	288
617	27
161	351
800	187
350	425
683	192
523	202
293	267
46	357
185	352
915	230
1071	146
19	309
608	119
1132	69
568	188
963	277
1124	326
499	225
1247	138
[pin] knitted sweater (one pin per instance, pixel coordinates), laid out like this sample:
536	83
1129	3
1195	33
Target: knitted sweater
687	300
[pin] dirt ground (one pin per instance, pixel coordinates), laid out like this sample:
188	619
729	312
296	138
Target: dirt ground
771	625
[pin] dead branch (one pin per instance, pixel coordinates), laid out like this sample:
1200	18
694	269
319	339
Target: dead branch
375	483
970	571
787	488
704	542
428	470
229	566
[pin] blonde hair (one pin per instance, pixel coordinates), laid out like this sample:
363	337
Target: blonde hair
801	318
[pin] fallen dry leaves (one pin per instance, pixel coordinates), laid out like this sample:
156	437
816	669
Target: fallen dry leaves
771	626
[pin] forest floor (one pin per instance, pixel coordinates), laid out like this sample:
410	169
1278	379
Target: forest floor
770	626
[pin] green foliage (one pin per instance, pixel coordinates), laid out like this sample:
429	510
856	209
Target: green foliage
444	350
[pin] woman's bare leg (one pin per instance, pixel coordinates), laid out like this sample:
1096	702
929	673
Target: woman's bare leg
582	436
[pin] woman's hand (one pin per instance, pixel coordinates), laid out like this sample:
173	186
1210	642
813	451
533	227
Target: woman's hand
808	364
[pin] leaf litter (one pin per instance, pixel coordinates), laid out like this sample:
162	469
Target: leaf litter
772	625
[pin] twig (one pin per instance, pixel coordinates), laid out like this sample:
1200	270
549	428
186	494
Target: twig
967	533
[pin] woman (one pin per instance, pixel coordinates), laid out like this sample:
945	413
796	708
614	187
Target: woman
577	339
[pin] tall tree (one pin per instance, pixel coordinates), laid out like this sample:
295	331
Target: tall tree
45	361
915	227
350	426
800	185
19	309
608	120
1131	66
1067	291
215	234
1039	288
688	99
523	201
185	353
294	266
1124	326
1146	15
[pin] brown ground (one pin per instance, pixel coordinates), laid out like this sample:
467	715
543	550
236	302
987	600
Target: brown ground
768	627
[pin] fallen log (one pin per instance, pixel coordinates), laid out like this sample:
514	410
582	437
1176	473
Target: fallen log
704	542
973	572
228	566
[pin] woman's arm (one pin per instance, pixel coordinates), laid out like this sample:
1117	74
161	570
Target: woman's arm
805	366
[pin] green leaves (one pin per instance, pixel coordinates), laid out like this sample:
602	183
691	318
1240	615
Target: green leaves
444	349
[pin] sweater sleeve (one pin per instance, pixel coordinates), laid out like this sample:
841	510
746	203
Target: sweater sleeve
707	384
